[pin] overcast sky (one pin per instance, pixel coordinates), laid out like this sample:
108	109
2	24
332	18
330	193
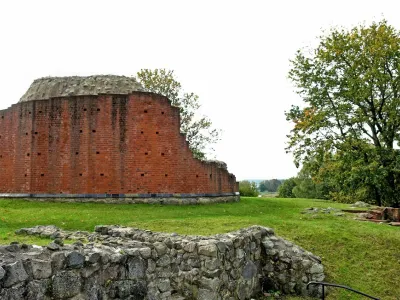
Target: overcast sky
233	54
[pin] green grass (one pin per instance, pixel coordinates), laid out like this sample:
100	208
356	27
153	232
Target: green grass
364	256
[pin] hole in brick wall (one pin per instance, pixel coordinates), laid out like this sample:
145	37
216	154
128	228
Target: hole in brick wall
162	112
145	111
26	175
76	153
39	153
141	132
84	109
142	174
27	154
40	111
162	154
97	152
29	112
146	153
41	175
156	132
210	175
93	131
80	174
0	136
129	191
80	131
36	132
26	133
2	117
197	176
98	109
166	175
1	156
101	174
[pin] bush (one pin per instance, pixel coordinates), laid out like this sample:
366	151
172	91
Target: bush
285	190
248	189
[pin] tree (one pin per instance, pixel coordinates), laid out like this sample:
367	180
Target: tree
285	190
248	189
306	187
269	185
198	130
350	85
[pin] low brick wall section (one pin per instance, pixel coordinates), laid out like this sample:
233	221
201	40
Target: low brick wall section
127	263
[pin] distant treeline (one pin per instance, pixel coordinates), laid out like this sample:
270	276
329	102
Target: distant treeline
271	185
252	189
301	186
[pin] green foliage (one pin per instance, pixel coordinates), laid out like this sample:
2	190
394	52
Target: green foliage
269	185
285	190
248	189
350	123
305	189
198	130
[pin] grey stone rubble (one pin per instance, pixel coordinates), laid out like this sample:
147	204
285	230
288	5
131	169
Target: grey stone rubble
128	263
315	210
53	87
360	204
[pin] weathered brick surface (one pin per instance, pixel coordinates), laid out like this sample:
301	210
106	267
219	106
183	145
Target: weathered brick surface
102	144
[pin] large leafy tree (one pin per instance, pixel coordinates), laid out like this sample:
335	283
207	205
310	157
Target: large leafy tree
198	129
349	125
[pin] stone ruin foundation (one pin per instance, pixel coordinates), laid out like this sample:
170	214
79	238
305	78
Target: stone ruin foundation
389	215
127	263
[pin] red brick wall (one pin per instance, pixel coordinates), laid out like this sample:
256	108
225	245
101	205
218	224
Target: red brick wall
101	144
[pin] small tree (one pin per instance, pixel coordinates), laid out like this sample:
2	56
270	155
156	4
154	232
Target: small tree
271	185
285	190
198	130
248	189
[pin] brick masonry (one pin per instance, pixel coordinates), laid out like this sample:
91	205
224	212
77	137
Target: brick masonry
102	145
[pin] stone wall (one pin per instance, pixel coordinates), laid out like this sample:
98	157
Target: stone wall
181	199
128	263
53	87
100	146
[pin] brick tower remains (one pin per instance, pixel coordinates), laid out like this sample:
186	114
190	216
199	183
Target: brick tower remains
103	137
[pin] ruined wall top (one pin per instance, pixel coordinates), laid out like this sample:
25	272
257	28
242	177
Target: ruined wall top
50	87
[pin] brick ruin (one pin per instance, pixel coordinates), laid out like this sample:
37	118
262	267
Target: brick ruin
101	137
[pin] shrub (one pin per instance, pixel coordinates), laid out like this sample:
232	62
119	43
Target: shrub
285	190
248	189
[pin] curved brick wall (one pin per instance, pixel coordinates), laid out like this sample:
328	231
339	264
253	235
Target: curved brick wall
125	145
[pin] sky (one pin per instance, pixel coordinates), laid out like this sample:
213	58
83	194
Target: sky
233	54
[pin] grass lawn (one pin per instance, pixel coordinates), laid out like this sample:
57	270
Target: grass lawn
364	256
